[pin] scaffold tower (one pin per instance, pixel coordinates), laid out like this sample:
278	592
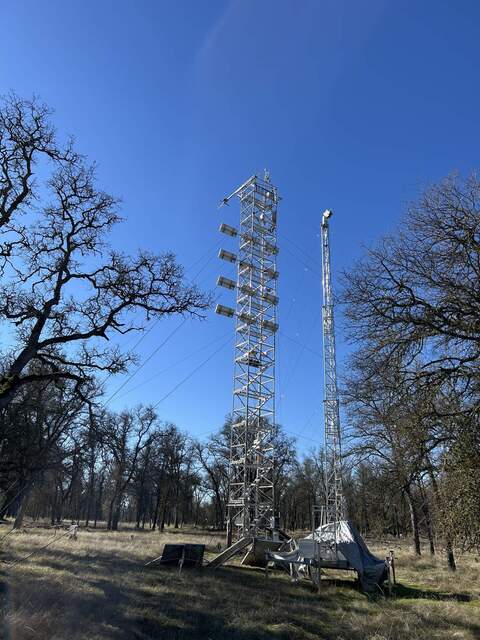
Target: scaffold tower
334	499
251	482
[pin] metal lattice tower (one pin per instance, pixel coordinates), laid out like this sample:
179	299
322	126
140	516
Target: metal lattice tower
335	504
251	489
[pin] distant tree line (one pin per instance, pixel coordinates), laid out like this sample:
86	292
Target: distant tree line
64	462
412	309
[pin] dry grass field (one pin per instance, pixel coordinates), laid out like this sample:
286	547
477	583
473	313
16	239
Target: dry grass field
96	587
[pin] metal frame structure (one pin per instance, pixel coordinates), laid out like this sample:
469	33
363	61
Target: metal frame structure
334	499
251	483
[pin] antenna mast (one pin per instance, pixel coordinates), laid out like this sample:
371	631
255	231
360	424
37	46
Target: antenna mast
251	499
335	504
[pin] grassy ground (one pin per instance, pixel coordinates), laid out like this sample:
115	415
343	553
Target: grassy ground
96	587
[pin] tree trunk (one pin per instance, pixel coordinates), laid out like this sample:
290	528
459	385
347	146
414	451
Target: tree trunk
146	510
157	508
396	525
110	514
90	497
54	506
450	556
9	506
116	518
428	519
98	503
23	499
164	511
414	520
448	546
138	517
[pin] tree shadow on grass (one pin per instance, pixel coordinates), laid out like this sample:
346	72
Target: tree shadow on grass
116	599
406	592
4	601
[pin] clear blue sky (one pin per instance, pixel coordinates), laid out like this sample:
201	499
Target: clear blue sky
351	105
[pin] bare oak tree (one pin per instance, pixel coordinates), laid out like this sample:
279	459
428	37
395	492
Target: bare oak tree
417	291
413	308
65	291
27	138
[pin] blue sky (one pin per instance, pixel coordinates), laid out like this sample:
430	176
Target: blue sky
351	105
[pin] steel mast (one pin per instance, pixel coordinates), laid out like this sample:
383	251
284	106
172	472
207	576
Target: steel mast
251	485
335	504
